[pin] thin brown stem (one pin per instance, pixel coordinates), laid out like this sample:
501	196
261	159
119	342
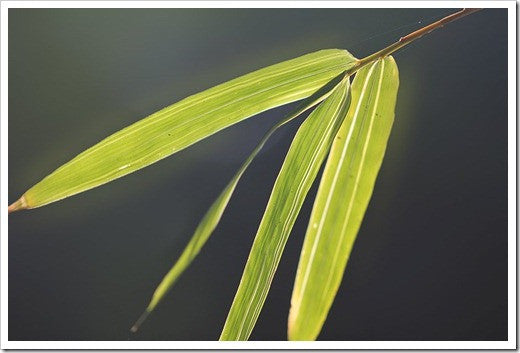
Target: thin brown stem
403	41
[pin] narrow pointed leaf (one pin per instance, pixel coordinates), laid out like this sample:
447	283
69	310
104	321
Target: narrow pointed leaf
186	122
343	195
215	212
304	158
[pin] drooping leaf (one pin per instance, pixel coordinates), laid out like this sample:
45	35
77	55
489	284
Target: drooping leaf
343	195
214	214
186	122
304	158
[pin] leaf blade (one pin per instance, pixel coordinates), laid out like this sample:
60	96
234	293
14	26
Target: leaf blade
300	167
343	196
212	217
186	122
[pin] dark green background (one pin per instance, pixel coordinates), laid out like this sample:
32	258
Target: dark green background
430	262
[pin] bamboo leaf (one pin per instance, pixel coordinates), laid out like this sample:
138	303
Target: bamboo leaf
212	217
303	160
186	122
344	192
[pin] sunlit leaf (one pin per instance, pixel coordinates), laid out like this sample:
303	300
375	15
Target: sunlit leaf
344	192
304	158
214	214
186	122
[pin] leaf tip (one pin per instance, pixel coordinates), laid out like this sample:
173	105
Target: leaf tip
300	328
139	321
18	205
291	324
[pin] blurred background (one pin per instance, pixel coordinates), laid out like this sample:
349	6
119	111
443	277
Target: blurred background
430	260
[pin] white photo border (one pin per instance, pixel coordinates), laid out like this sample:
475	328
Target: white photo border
512	169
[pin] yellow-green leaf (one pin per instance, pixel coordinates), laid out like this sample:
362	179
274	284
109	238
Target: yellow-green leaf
304	158
186	122
343	195
212	217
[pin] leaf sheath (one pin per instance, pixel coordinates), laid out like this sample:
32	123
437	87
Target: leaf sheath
343	196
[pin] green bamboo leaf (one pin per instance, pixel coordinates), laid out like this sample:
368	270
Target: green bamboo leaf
212	217
343	195
186	122
303	160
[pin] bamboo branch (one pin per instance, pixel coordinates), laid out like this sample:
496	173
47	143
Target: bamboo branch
403	41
